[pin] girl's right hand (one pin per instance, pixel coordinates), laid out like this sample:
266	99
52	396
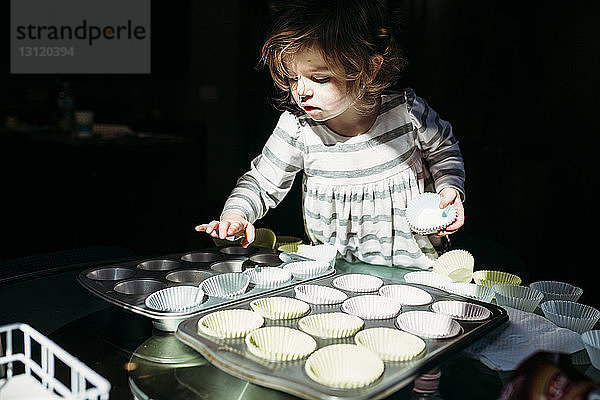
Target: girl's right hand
232	223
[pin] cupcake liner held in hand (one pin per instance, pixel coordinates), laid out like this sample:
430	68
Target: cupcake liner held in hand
425	216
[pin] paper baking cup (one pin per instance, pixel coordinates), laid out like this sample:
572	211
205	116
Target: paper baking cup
331	325
490	278
317	294
344	366
291	243
554	290
226	285
278	343
427	278
519	297
456	264
371	306
424	214
461	310
406	295
361	283
568	314
176	299
391	344
279	307
471	290
230	323
306	269
288	247
267	277
428	324
321	252
591	341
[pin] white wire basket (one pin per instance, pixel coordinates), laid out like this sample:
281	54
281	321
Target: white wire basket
34	367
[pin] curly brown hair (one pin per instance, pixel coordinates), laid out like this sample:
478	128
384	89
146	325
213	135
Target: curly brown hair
350	35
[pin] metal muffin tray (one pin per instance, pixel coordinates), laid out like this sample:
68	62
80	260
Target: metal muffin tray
128	284
232	356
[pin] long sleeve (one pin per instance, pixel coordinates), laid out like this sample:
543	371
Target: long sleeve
271	173
438	145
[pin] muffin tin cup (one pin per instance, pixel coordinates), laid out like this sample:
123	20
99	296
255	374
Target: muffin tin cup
115	273
391	344
461	310
277	343
591	341
359	283
490	278
429	325
188	276
456	264
571	315
555	290
427	278
344	366
229	324
372	307
278	307
425	216
318	294
406	295
333	325
200	257
176	299
519	297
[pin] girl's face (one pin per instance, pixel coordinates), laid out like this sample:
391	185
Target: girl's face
315	87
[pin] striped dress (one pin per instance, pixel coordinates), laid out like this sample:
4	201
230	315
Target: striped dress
355	189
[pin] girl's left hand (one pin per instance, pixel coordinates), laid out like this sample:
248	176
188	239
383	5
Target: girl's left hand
451	196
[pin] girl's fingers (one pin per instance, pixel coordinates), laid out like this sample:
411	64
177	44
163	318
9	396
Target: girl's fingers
250	235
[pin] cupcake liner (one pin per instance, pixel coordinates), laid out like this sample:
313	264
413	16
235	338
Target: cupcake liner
233	323
317	294
344	366
306	269
425	216
280	307
456	264
519	297
489	278
226	285
427	324
175	299
391	344
372	306
461	310
321	252
290	242
331	325
290	257
406	295
568	314
361	283
427	278
555	290
471	290
591	341
278	343
268	277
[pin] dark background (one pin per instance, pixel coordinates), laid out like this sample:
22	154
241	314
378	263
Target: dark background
518	80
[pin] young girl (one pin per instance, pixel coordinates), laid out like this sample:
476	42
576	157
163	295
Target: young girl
364	153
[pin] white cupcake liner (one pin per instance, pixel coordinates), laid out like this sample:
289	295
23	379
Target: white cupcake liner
427	324
519	297
278	343
228	285
490	277
427	278
461	310
371	306
317	294
290	257
233	323
555	290
268	277
344	366
571	315
321	252
391	344
471	290
456	264
591	341
331	325
306	269
424	214
280	307
360	283
406	295
176	299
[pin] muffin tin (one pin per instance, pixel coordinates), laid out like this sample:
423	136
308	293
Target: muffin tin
233	356
128	284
